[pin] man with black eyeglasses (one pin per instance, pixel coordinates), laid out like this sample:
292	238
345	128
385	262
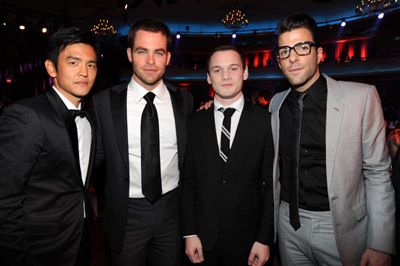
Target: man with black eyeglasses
334	200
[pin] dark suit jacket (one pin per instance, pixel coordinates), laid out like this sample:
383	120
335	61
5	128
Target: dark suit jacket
109	108
234	203
41	189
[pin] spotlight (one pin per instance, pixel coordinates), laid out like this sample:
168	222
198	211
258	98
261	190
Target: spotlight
21	22
126	6
42	26
3	18
381	15
343	24
178	35
234	35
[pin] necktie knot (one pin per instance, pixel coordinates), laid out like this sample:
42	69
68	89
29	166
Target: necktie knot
149	97
228	112
76	112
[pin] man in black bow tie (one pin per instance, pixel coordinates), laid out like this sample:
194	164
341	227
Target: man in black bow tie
46	155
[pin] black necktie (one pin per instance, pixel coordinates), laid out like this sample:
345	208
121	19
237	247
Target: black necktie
294	174
225	133
76	112
150	155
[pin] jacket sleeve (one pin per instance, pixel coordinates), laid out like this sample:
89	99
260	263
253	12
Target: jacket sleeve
20	144
376	168
266	232
188	185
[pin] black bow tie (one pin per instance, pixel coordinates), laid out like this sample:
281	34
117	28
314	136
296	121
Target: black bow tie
76	113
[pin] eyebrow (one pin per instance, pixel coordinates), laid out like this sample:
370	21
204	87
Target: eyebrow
218	66
80	59
157	50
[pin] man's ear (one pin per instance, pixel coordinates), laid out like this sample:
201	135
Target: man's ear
320	54
246	73
129	54
208	79
51	68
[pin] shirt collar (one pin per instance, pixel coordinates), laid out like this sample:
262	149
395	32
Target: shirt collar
238	105
138	92
68	104
316	92
318	89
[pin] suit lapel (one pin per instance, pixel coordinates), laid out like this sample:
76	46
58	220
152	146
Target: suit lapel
92	148
119	119
180	121
334	116
208	129
240	135
69	122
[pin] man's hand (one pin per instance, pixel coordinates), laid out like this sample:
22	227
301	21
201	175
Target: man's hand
206	105
393	142
259	254
374	258
194	250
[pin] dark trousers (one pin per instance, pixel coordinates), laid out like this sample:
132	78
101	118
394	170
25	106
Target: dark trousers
152	235
217	257
84	253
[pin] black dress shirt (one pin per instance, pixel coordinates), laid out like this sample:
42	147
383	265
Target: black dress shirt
313	193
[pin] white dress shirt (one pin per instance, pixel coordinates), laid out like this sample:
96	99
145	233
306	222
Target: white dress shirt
219	118
84	132
168	141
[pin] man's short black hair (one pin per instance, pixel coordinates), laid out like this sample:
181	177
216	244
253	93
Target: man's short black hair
67	36
226	48
297	21
150	25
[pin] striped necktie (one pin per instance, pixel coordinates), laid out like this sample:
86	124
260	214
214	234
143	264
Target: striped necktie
225	133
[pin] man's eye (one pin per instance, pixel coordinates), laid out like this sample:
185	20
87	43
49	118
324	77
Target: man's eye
283	52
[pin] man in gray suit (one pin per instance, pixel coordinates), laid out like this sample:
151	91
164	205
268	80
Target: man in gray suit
331	168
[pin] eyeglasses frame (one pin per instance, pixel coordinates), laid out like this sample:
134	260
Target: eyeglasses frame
312	44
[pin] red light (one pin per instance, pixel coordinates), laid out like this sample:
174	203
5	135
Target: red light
256	60
9	80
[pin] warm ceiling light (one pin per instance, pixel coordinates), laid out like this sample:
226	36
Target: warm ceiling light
235	19
374	6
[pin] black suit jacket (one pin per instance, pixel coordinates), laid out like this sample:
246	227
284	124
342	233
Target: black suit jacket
232	204
41	189
109	109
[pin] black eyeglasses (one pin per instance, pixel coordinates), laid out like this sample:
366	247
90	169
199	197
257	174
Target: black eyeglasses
301	48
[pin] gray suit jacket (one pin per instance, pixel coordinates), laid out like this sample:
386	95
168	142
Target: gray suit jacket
361	195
